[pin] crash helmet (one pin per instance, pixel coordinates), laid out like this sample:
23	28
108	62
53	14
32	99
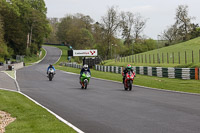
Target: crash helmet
85	67
50	65
129	67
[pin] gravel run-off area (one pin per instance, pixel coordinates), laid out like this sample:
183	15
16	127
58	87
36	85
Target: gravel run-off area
5	119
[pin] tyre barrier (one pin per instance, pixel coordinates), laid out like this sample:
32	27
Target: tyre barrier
180	73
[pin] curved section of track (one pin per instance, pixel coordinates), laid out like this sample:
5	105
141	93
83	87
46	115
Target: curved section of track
105	107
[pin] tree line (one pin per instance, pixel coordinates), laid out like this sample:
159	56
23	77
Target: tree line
23	27
81	32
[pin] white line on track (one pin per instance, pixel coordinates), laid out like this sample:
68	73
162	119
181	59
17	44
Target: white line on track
8	90
57	116
39	60
59	57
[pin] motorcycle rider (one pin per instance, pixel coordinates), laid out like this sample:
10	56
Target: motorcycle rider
51	66
127	69
84	69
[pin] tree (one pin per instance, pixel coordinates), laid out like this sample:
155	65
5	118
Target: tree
98	33
86	20
76	31
195	31
110	24
86	39
53	24
139	26
15	35
63	28
3	47
183	21
30	24
37	22
182	29
38	5
170	35
127	25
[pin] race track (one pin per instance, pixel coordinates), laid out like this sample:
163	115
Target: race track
105	107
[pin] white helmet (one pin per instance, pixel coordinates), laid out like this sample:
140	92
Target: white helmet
85	67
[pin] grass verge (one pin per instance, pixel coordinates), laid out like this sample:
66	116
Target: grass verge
11	73
31	60
191	86
30	118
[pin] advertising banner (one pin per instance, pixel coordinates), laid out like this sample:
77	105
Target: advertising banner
85	52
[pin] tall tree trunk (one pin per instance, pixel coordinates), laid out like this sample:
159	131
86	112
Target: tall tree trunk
27	44
31	35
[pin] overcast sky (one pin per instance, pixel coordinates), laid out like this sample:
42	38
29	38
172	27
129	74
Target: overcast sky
160	13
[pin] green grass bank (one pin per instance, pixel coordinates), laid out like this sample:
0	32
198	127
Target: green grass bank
186	54
30	118
34	58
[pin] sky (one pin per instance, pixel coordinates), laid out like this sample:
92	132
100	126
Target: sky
160	13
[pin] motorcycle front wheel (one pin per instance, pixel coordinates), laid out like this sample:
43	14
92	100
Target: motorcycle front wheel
130	85
85	84
50	76
125	88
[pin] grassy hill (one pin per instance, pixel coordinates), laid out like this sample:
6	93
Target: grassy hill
178	55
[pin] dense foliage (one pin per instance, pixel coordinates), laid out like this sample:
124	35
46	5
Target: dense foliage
24	24
3	47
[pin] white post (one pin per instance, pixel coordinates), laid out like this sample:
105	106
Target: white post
141	70
149	71
171	72
159	71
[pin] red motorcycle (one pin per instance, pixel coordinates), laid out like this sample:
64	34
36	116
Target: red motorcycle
128	82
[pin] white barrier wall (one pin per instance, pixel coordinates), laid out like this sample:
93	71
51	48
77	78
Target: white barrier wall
185	73
141	70
117	69
171	72
104	68
112	69
159	71
149	71
18	65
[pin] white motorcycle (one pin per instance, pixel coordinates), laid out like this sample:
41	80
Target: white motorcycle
51	74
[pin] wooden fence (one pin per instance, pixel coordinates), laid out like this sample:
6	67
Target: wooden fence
185	57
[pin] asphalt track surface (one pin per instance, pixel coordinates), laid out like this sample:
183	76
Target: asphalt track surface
105	107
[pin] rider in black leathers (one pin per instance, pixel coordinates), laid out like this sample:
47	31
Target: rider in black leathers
127	69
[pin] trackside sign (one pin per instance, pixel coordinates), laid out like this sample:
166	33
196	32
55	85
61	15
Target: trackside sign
85	52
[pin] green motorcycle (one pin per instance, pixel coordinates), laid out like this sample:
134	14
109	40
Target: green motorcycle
85	79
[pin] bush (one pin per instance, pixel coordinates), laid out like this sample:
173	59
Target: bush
34	49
